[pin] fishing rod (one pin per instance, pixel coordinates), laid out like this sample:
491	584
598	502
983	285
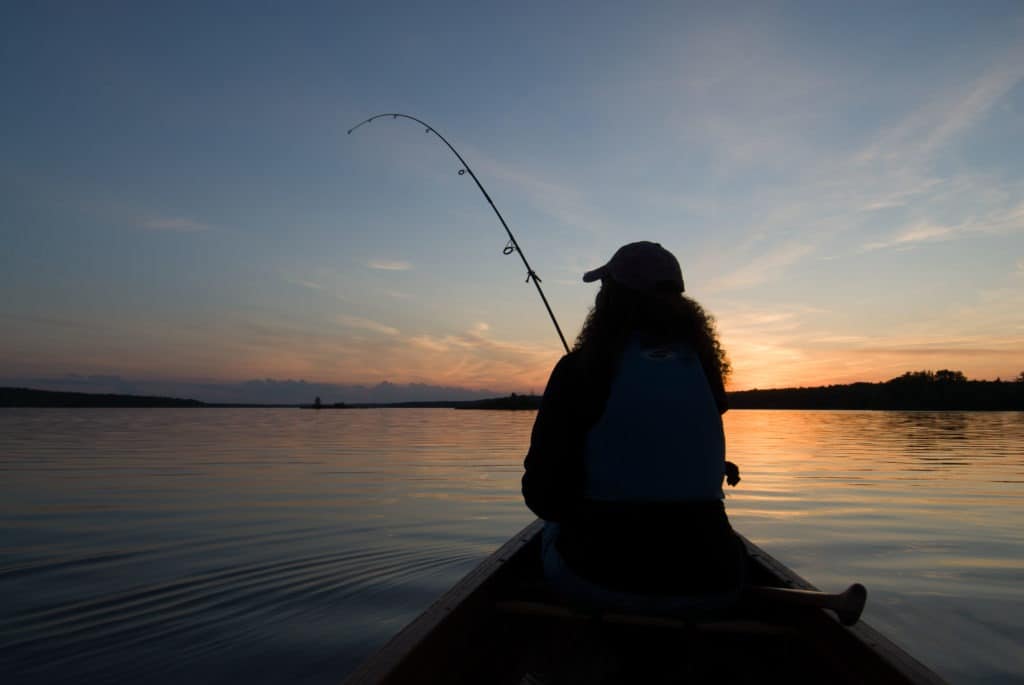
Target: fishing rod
513	244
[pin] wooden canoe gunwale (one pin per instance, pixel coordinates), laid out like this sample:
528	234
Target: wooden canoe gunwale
401	650
418	648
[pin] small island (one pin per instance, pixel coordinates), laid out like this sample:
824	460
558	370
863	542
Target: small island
317	404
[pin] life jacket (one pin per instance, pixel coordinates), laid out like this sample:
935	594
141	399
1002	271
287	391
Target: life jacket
660	438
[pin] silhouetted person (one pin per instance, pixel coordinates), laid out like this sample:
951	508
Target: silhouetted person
316	403
627	453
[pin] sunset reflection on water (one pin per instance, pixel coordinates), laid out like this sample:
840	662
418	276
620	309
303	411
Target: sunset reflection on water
283	544
925	508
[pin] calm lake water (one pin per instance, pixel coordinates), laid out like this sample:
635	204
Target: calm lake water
212	545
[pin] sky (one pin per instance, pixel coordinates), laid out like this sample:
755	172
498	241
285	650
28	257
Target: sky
181	206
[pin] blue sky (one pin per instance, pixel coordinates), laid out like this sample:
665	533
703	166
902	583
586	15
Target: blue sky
179	200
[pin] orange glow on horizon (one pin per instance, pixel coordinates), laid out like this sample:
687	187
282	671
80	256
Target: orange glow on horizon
479	360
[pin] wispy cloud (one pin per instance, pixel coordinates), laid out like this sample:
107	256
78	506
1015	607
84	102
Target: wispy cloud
838	188
366	324
922	233
430	343
838	339
937	123
898	167
787	345
761	268
798	357
179	224
998	221
307	284
389	265
940	349
324	281
901	194
754	107
566	204
475	354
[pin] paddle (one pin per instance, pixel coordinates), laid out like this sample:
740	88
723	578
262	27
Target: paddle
847	605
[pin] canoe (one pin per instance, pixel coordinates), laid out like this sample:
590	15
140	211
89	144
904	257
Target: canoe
498	625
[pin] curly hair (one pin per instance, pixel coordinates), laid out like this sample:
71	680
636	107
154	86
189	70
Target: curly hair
666	316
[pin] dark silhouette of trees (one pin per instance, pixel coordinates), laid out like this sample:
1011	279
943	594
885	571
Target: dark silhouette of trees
513	401
943	389
947	376
25	397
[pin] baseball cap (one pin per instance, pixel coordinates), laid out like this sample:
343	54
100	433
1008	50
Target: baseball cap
643	266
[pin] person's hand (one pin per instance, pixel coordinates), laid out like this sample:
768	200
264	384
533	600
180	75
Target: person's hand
732	473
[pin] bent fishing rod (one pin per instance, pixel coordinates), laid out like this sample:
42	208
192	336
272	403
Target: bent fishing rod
513	244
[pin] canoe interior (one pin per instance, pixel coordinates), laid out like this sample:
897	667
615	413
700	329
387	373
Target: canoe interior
499	625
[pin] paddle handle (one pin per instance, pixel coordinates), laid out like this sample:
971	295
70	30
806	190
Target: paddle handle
847	604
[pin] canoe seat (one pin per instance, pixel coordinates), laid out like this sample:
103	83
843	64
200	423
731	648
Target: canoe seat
708	625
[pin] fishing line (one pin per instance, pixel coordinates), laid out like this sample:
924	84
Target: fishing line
513	244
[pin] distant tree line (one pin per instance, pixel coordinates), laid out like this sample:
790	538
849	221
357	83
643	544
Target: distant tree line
943	389
26	397
513	402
